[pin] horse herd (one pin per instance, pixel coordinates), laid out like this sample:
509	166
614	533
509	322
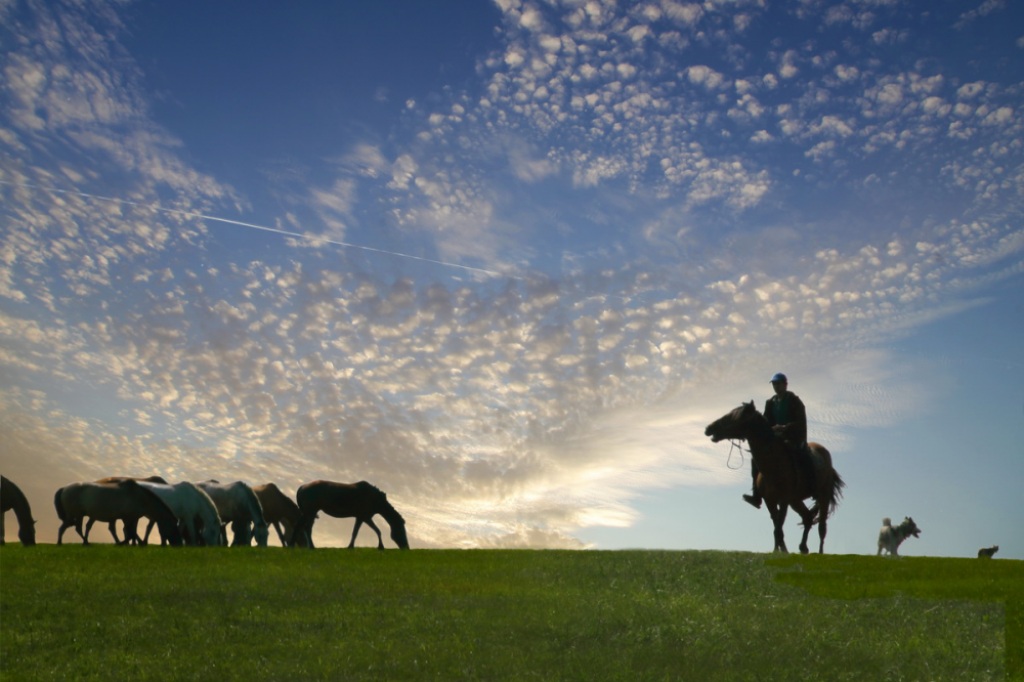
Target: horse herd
199	514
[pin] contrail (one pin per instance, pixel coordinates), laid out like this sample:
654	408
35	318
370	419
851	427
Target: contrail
254	226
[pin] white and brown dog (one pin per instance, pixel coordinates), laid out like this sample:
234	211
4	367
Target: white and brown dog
891	537
987	552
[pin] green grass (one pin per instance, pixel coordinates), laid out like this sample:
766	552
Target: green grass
107	612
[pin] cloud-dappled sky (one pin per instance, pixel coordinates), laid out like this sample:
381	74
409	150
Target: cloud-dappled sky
506	260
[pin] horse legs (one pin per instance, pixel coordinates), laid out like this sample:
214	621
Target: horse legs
149	529
67	524
280	535
380	540
822	527
241	534
355	532
194	538
778	514
305	525
131	532
807	517
88	527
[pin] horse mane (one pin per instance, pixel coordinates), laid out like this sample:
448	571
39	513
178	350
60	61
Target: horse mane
369	487
388	511
16	500
762	421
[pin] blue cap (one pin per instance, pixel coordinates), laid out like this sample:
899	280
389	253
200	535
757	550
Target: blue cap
779	376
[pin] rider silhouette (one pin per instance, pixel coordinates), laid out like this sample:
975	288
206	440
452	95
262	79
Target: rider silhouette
787	416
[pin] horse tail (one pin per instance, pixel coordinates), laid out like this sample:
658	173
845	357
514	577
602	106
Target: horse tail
303	497
835	493
58	504
307	513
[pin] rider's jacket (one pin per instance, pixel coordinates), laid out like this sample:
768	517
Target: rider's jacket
787	410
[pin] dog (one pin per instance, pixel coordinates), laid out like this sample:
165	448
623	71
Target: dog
987	552
891	537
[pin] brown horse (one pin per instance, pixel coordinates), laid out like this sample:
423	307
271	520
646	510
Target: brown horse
342	500
782	482
11	498
281	511
125	500
113	524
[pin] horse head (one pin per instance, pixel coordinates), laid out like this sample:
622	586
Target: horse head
733	426
261	533
27	533
398	535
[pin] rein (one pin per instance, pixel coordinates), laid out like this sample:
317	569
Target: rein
733	446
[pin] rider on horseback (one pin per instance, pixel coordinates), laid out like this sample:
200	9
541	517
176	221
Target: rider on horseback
787	416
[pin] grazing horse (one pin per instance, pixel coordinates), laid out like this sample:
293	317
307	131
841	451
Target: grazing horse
113	524
126	500
280	511
196	512
782	482
11	498
238	505
342	500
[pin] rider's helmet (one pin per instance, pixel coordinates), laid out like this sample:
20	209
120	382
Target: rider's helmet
779	376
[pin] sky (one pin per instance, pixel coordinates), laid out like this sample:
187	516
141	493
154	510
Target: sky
506	260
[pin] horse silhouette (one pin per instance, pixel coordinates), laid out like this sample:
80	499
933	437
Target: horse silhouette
112	526
282	513
238	505
196	512
361	500
125	500
782	482
12	499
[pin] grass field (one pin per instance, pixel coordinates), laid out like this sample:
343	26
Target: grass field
106	612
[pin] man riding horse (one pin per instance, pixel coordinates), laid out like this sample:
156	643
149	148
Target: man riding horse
787	416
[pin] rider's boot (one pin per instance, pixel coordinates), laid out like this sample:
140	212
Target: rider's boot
753	500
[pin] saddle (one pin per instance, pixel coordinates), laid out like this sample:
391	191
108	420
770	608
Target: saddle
801	454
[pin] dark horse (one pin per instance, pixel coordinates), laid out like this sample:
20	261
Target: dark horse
282	513
782	482
11	498
342	500
127	500
113	524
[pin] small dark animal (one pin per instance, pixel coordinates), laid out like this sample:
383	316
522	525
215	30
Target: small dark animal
891	537
987	552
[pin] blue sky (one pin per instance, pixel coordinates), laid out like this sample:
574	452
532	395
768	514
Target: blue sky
507	259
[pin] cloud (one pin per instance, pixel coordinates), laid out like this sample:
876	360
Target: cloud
668	226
